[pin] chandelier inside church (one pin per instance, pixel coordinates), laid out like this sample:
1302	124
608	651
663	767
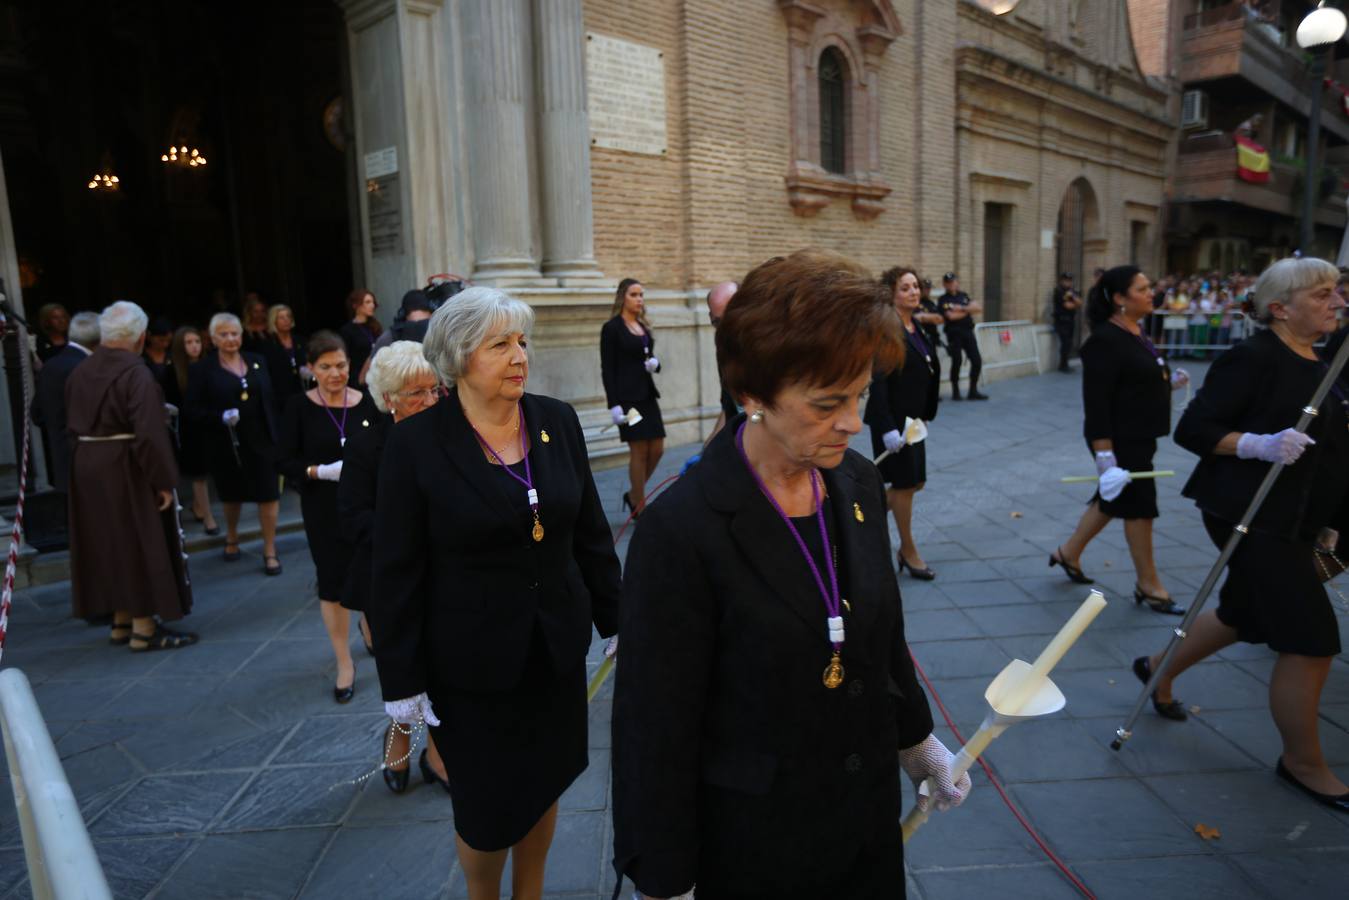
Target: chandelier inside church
182	157
105	181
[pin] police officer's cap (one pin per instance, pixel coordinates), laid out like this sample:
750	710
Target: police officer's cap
949	276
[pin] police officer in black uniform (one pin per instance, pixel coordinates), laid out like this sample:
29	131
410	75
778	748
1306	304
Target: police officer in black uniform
958	310
929	318
1066	305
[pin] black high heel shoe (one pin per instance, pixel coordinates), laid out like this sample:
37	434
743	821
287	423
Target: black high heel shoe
1172	709
395	780
344	694
1072	571
926	574
429	775
1164	605
627	504
1340	803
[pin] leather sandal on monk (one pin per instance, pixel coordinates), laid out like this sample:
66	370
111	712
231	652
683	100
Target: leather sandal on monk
120	635
270	569
162	639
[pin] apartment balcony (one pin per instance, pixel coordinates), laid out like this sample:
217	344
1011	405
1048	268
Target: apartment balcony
1226	43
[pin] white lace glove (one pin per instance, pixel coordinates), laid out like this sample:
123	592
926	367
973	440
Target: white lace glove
230	417
1179	378
893	441
1113	481
931	759
328	471
411	710
611	648
1105	459
652	364
617	413
1285	447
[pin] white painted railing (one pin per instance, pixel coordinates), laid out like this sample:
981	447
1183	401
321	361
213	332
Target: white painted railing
62	864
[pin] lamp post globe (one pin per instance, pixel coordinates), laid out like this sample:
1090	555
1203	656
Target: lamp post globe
997	7
1323	25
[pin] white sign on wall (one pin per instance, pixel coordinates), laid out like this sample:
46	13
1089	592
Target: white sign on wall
626	87
1046	239
381	162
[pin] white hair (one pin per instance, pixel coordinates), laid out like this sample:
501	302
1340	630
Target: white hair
394	366
122	323
85	329
1284	278
223	318
466	320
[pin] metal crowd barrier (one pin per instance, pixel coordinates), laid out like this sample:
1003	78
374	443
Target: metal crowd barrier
62	864
1008	344
1197	334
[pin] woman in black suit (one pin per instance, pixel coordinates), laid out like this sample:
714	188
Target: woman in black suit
627	360
492	557
1126	396
766	701
285	352
1239	422
361	332
402	384
908	392
230	403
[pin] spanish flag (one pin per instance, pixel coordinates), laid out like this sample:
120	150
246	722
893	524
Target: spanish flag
1252	161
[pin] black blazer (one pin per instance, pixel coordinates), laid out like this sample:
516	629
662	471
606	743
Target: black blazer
356	492
1261	386
1126	395
286	379
733	764
462	586
626	380
211	390
908	391
49	412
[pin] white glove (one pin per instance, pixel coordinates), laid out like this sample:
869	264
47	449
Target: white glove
611	648
1179	378
412	710
230	417
617	413
328	471
1105	459
893	441
931	759
1285	447
1113	482
652	364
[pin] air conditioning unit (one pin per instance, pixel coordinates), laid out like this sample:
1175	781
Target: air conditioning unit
1194	110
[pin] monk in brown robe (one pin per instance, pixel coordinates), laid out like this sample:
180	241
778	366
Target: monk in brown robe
126	555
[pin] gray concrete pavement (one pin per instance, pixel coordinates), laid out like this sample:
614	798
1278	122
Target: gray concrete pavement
224	770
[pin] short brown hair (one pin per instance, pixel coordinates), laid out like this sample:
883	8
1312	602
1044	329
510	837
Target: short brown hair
325	341
891	276
812	317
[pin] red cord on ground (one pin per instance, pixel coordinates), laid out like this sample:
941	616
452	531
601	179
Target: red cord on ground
997	785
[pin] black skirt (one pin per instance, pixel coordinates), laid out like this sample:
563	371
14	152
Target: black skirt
329	550
1138	500
252	477
905	469
1273	593
510	754
649	429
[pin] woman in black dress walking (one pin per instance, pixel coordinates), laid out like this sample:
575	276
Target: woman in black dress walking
286	354
492	558
627	360
185	353
230	403
361	331
1126	396
907	392
314	433
1239	423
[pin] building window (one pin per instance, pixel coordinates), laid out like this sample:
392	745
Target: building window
833	113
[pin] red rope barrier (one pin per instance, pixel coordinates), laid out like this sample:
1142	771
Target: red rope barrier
16	535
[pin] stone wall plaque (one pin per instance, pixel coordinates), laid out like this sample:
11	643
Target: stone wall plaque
626	87
381	162
384	208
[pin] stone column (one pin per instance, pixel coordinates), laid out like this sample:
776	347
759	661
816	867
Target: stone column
497	76
564	142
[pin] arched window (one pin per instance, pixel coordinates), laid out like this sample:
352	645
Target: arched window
833	112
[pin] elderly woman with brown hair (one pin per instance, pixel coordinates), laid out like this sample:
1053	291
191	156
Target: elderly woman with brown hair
766	702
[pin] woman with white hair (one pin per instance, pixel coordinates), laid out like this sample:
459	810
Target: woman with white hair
230	402
1239	423
401	384
492	558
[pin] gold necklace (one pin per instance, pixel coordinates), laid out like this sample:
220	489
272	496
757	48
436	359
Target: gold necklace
514	431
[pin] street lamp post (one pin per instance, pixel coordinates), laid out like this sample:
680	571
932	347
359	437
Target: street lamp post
1321	28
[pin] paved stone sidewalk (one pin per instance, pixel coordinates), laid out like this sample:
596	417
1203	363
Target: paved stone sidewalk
223	770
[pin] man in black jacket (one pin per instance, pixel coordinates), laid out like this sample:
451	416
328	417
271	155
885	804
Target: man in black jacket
958	310
49	407
1066	305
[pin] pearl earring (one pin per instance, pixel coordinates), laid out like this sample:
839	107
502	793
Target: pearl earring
756	417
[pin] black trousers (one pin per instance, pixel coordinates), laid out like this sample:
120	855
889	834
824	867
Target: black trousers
959	344
1064	329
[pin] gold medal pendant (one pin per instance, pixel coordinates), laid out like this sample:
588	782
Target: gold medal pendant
537	533
243	395
833	673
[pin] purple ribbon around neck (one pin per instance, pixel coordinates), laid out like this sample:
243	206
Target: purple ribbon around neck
528	480
340	426
917	337
832	603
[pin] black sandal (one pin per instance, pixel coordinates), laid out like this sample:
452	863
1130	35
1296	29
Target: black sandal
119	641
1072	571
1164	605
1172	709
231	555
270	570
162	639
